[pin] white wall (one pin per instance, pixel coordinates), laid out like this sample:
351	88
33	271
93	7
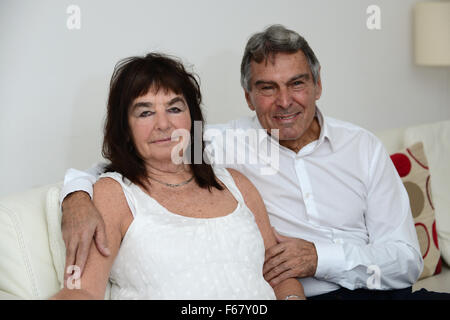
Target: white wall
53	81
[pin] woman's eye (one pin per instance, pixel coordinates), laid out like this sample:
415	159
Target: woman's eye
145	114
174	110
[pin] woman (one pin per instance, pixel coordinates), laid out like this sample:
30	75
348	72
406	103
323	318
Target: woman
176	230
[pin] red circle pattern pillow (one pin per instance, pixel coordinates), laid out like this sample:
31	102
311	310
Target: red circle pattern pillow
412	166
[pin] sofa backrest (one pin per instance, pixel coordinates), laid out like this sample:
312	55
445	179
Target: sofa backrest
436	141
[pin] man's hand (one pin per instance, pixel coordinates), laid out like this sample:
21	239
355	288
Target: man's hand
80	223
291	257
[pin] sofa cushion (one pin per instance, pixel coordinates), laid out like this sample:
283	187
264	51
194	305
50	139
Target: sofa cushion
412	166
56	242
26	266
436	137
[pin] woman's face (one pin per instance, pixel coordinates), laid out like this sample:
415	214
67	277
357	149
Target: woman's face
152	119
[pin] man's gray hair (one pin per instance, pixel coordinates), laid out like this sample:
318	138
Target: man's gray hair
272	40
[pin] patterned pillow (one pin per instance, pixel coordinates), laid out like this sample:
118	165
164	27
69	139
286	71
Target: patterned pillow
412	166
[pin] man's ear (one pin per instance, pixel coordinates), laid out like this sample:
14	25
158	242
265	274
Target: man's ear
318	87
249	100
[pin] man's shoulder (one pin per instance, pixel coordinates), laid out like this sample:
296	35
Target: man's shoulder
338	126
344	133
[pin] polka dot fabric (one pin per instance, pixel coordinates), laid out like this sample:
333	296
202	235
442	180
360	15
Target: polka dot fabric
412	166
168	256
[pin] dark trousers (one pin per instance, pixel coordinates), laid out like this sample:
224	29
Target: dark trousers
365	294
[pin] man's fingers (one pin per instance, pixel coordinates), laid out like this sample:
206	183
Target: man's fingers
83	252
273	262
71	250
273	251
276	272
100	240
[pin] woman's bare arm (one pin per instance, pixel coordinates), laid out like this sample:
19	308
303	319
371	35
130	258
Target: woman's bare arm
255	203
112	205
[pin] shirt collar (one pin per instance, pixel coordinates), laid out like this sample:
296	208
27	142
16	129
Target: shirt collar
325	132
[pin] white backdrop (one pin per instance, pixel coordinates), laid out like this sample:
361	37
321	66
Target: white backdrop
53	80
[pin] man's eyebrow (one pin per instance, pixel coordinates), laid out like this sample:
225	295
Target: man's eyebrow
264	82
302	76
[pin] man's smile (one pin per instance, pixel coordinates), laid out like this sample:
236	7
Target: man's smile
287	118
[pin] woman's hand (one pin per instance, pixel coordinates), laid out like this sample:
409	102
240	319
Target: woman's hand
80	223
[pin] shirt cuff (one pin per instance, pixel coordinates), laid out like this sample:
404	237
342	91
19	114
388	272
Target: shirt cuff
330	260
76	185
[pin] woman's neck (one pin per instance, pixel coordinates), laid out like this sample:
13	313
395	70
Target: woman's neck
169	172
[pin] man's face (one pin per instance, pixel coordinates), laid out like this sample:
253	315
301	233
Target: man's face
284	95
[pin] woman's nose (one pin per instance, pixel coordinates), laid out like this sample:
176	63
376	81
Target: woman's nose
162	121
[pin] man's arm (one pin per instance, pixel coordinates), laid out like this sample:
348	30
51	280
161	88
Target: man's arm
113	207
81	222
289	287
390	260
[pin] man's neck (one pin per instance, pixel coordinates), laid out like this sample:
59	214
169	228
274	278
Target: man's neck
309	136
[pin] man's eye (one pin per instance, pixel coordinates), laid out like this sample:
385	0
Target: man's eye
267	88
297	83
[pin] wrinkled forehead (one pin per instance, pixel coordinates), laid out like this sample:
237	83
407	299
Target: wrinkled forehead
280	64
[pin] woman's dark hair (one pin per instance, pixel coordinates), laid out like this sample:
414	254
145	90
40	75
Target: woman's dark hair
132	78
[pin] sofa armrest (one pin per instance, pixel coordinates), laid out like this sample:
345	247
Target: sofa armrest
7	296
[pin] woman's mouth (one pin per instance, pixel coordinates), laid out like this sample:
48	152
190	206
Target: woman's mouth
162	140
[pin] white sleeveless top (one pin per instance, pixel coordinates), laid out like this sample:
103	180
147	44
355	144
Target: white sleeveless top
164	255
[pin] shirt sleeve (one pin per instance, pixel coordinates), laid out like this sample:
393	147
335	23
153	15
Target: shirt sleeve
391	259
76	180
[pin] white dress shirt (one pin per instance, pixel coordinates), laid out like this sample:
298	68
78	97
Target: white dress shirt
340	192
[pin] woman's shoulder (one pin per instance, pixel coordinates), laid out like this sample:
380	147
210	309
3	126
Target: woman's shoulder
109	190
239	178
245	186
107	183
113	181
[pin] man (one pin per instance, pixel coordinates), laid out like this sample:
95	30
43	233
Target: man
341	212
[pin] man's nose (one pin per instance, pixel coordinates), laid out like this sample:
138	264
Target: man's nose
284	98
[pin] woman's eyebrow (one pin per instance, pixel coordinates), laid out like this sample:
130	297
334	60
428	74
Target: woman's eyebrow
142	104
147	104
175	100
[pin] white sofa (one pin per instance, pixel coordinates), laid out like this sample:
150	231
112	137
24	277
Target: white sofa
32	250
